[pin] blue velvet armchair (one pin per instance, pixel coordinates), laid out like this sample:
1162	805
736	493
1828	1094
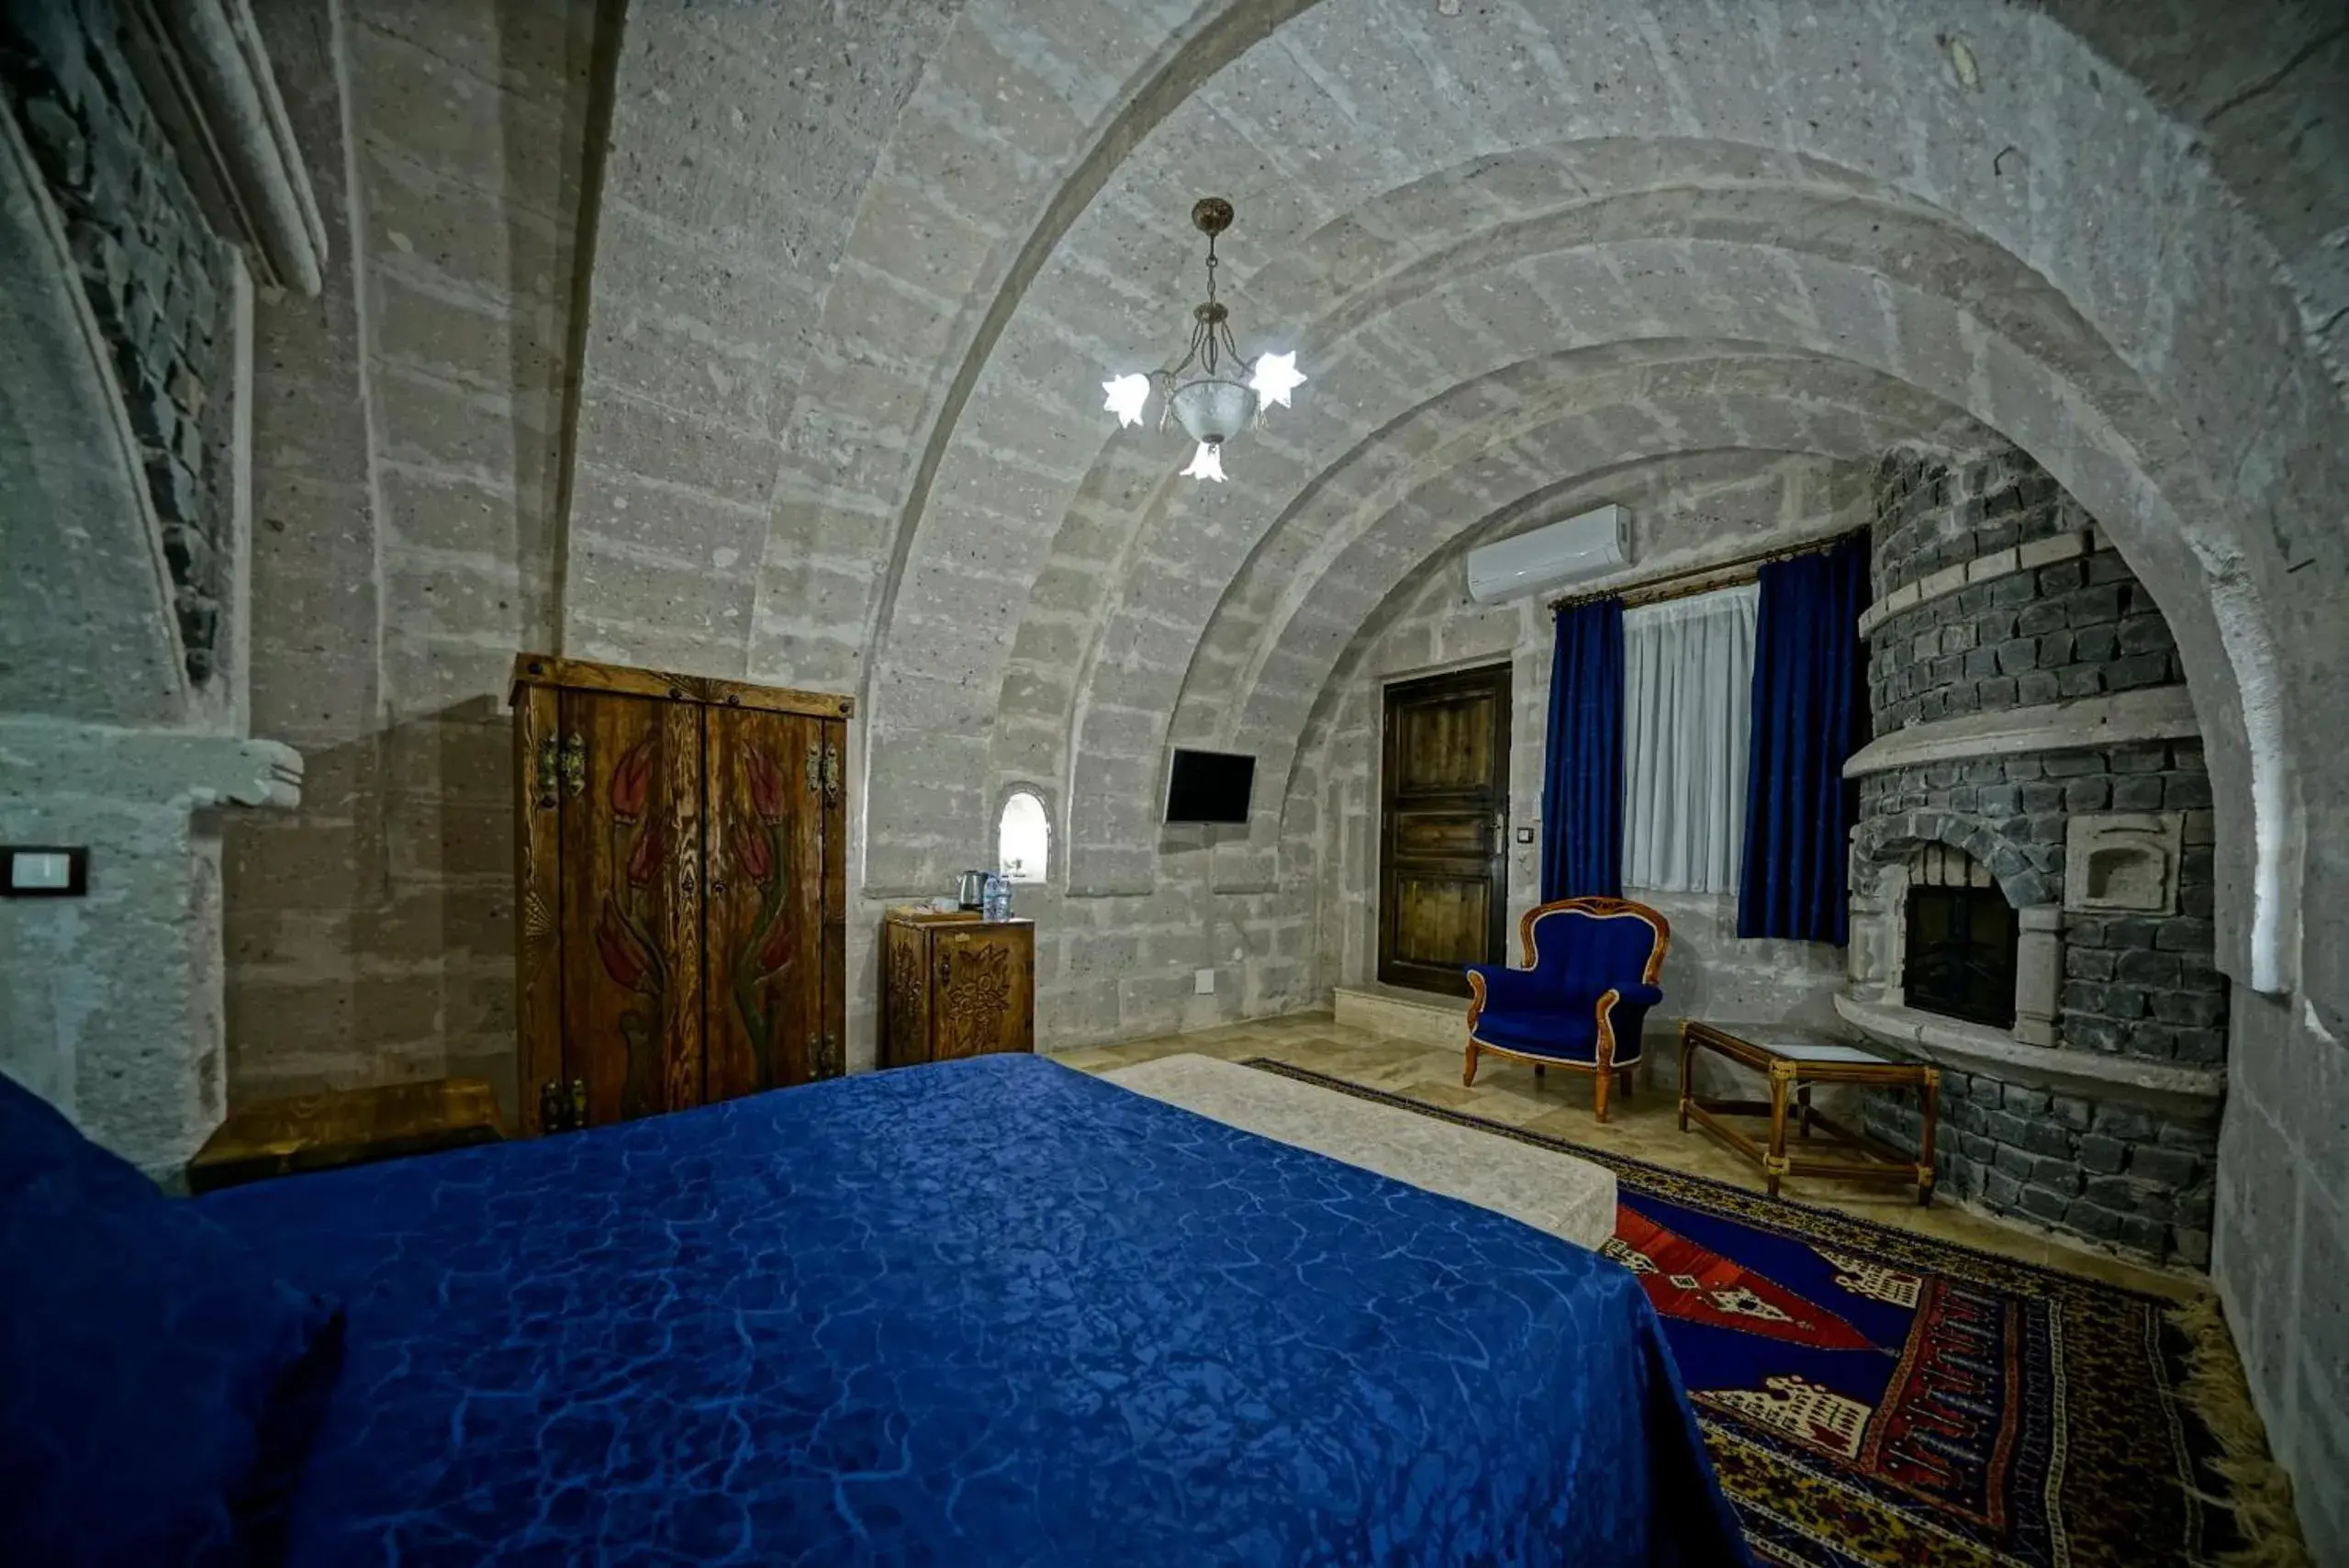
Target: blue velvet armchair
1580	1000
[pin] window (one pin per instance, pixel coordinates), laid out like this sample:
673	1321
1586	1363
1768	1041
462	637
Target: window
1687	714
1023	840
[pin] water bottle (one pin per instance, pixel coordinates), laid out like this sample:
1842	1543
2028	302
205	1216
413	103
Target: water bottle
998	896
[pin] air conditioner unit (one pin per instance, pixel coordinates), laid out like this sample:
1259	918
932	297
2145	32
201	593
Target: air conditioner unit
1579	547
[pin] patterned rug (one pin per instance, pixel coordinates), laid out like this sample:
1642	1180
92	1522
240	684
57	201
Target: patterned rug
1874	1396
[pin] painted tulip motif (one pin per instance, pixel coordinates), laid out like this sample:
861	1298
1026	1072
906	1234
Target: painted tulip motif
632	781
646	859
765	786
752	852
772	957
767	948
624	957
639	855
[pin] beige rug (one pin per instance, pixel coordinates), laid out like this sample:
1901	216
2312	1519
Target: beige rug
1557	1193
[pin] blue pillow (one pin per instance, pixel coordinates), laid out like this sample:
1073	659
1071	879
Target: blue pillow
159	1389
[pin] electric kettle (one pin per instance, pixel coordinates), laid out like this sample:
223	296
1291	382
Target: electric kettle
971	891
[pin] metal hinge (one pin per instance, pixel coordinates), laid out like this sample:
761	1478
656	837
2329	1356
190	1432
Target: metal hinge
823	772
561	1108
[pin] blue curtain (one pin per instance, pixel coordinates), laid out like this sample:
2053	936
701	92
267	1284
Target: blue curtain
1581	788
1808	719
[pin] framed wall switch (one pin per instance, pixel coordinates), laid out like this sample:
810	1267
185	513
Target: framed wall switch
43	871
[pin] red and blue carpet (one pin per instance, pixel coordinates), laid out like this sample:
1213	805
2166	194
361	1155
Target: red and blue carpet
1871	1396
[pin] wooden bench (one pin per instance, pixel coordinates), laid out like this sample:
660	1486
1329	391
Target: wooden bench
350	1126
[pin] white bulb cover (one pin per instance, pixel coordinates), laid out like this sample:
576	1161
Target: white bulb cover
1207	463
1213	410
1276	377
1127	393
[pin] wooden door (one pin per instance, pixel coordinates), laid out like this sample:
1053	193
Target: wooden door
776	917
985	995
630	778
1444	828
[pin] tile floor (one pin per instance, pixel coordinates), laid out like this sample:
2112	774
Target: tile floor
1646	1128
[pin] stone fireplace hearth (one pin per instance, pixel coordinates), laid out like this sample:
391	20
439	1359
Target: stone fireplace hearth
2037	766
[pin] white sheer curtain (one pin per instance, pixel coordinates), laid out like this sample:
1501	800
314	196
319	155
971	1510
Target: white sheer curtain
1687	711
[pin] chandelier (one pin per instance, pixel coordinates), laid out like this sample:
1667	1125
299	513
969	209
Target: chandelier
1200	390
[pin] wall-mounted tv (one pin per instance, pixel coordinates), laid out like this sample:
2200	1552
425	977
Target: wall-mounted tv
1210	787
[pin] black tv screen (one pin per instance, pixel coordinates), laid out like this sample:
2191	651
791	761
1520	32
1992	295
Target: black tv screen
1210	787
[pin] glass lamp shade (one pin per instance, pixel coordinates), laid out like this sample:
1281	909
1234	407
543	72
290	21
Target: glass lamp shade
1213	410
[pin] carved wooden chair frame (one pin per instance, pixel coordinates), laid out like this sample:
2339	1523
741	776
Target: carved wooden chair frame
1603	1068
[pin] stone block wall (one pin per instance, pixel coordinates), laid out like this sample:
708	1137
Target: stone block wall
2078	627
1932	513
156	278
2025	632
2134	985
2134	1180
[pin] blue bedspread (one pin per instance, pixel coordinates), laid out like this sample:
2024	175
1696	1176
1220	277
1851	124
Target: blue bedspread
989	1312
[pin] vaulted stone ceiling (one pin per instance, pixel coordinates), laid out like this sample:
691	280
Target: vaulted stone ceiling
1514	246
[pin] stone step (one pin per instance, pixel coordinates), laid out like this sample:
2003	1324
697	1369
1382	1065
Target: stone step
1420	1016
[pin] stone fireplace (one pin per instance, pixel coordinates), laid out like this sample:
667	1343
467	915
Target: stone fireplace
2032	870
1959	941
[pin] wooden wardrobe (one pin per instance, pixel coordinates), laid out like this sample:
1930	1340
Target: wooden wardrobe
681	854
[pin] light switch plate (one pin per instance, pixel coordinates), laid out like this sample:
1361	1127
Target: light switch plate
1525	835
43	871
1203	983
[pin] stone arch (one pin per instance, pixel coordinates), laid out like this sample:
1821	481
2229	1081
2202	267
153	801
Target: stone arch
1693	283
2029	875
86	625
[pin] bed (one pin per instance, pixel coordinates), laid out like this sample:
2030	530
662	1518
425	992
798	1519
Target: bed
987	1312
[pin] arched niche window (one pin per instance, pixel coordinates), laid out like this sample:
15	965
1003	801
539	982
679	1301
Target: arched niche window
1023	839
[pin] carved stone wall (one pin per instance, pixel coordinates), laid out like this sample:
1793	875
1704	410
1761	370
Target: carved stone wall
156	278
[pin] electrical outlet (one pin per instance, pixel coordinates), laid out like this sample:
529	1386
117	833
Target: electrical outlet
1203	983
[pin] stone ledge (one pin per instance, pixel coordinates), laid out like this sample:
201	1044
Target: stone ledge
2190	1092
1998	564
155	767
1420	1016
2088	723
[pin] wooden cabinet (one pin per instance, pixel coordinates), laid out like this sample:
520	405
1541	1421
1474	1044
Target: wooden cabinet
953	985
681	857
